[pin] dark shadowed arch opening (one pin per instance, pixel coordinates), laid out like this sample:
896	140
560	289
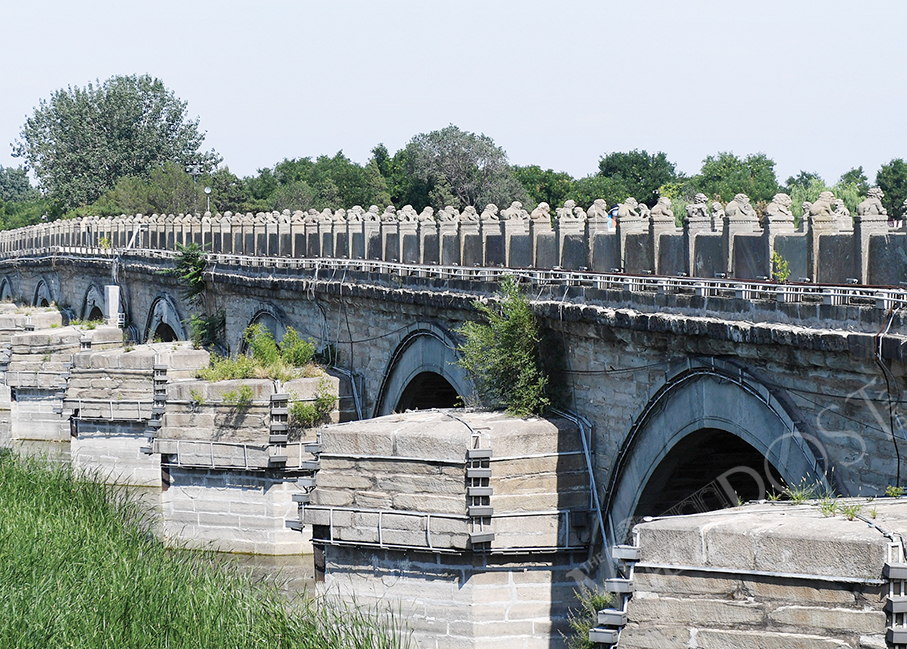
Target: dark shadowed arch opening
271	320
95	313
428	390
164	333
6	291
425	352
708	469
703	419
164	322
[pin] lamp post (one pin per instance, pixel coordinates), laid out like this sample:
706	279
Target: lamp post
194	170
208	198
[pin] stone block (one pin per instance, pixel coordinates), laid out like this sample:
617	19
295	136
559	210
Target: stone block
663	636
838	619
436	504
332	497
726	639
686	583
695	612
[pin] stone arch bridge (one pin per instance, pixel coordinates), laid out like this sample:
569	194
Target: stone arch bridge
697	391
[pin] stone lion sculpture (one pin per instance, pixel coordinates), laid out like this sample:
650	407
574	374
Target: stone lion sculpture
872	204
663	209
490	213
515	212
699	208
841	212
469	214
598	209
628	209
821	207
740	208
542	212
779	207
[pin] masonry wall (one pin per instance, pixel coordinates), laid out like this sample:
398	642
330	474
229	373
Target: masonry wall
232	511
452	602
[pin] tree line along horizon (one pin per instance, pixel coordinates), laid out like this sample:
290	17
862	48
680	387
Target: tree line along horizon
127	146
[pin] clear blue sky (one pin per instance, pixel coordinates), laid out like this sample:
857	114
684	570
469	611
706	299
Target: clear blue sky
815	85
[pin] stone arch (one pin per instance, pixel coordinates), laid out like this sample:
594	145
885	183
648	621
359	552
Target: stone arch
703	397
426	349
164	320
43	295
272	318
6	290
93	304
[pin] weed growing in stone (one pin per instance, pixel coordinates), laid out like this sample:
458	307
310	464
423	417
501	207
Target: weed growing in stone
585	616
780	268
306	414
894	492
240	399
851	511
828	506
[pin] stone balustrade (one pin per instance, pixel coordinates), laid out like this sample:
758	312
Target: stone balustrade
825	248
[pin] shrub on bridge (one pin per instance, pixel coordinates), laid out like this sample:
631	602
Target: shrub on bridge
502	354
266	360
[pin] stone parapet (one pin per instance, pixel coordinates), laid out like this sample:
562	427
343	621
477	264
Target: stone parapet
568	238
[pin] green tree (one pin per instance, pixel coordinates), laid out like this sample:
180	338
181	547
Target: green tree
637	174
502	355
587	190
228	192
892	179
548	186
326	182
81	141
725	175
802	179
805	187
461	168
15	186
168	190
857	178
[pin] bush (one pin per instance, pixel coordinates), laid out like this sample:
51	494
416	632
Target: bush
306	414
265	360
295	350
502	356
585	617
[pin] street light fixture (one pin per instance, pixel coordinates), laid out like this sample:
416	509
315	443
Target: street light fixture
208	198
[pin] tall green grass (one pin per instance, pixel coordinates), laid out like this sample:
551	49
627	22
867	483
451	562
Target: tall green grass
79	568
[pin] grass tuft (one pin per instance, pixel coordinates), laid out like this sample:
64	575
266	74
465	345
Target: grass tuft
79	568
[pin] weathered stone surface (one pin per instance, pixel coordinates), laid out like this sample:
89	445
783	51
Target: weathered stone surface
838	619
695	612
727	639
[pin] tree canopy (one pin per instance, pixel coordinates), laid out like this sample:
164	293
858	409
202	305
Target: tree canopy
726	175
122	146
892	179
460	168
637	174
81	141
